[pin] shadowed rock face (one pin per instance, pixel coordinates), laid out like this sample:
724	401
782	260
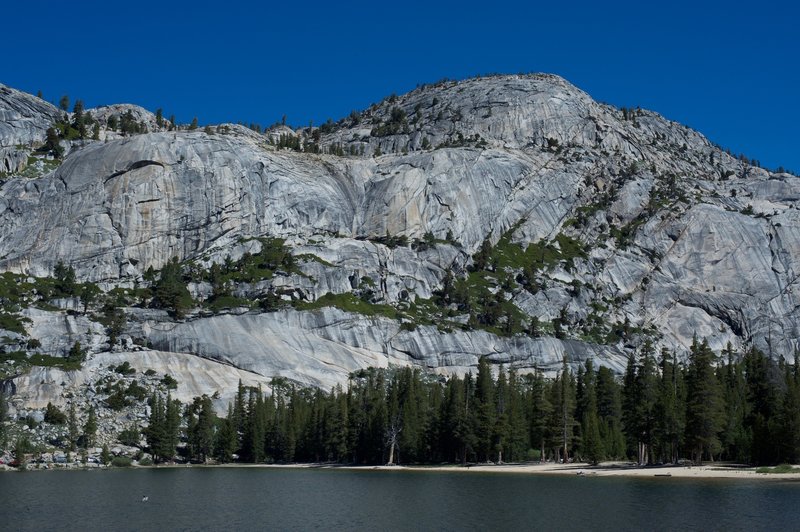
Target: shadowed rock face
681	238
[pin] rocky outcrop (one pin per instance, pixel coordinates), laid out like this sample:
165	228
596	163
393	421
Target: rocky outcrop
24	120
322	348
642	230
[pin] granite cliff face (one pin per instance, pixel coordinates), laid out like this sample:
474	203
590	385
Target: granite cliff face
639	229
24	120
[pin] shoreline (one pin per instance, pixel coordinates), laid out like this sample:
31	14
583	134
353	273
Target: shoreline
607	469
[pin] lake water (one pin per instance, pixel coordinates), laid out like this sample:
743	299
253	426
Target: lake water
315	499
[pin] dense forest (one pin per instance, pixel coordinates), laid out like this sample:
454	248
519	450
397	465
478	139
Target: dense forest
729	406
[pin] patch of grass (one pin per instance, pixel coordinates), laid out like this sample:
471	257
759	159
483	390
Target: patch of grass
781	469
226	302
54	362
47	361
349	303
12	323
32	170
540	255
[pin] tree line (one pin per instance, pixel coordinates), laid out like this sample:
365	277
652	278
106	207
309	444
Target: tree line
743	407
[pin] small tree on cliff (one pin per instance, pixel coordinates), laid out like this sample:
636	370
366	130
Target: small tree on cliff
170	290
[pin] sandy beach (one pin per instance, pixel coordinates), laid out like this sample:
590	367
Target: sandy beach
606	469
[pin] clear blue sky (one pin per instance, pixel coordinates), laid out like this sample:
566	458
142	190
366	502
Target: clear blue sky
729	70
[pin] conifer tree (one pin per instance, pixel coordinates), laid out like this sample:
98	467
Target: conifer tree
227	442
561	427
65	279
704	408
734	438
200	424
170	290
789	419
609	413
762	380
73	431
484	409
90	428
502	428
172	422
592	444
155	433
517	435
3	415
670	408
539	411
78	119
53	143
336	442
646	392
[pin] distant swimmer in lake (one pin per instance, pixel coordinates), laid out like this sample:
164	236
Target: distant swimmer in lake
145	498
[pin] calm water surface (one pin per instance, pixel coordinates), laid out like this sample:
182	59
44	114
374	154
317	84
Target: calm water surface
303	499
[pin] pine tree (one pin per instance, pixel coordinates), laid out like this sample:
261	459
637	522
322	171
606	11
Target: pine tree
480	261
609	412
762	380
465	422
502	427
170	290
639	395
226	443
190	419
592	445
517	437
90	428
78	119
539	411
789	418
562	425
670	408
336	442
646	391
172	422
203	435
485	410
3	416
52	143
65	282
73	431
734	438
395	421
704	408
155	433
253	438
629	406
